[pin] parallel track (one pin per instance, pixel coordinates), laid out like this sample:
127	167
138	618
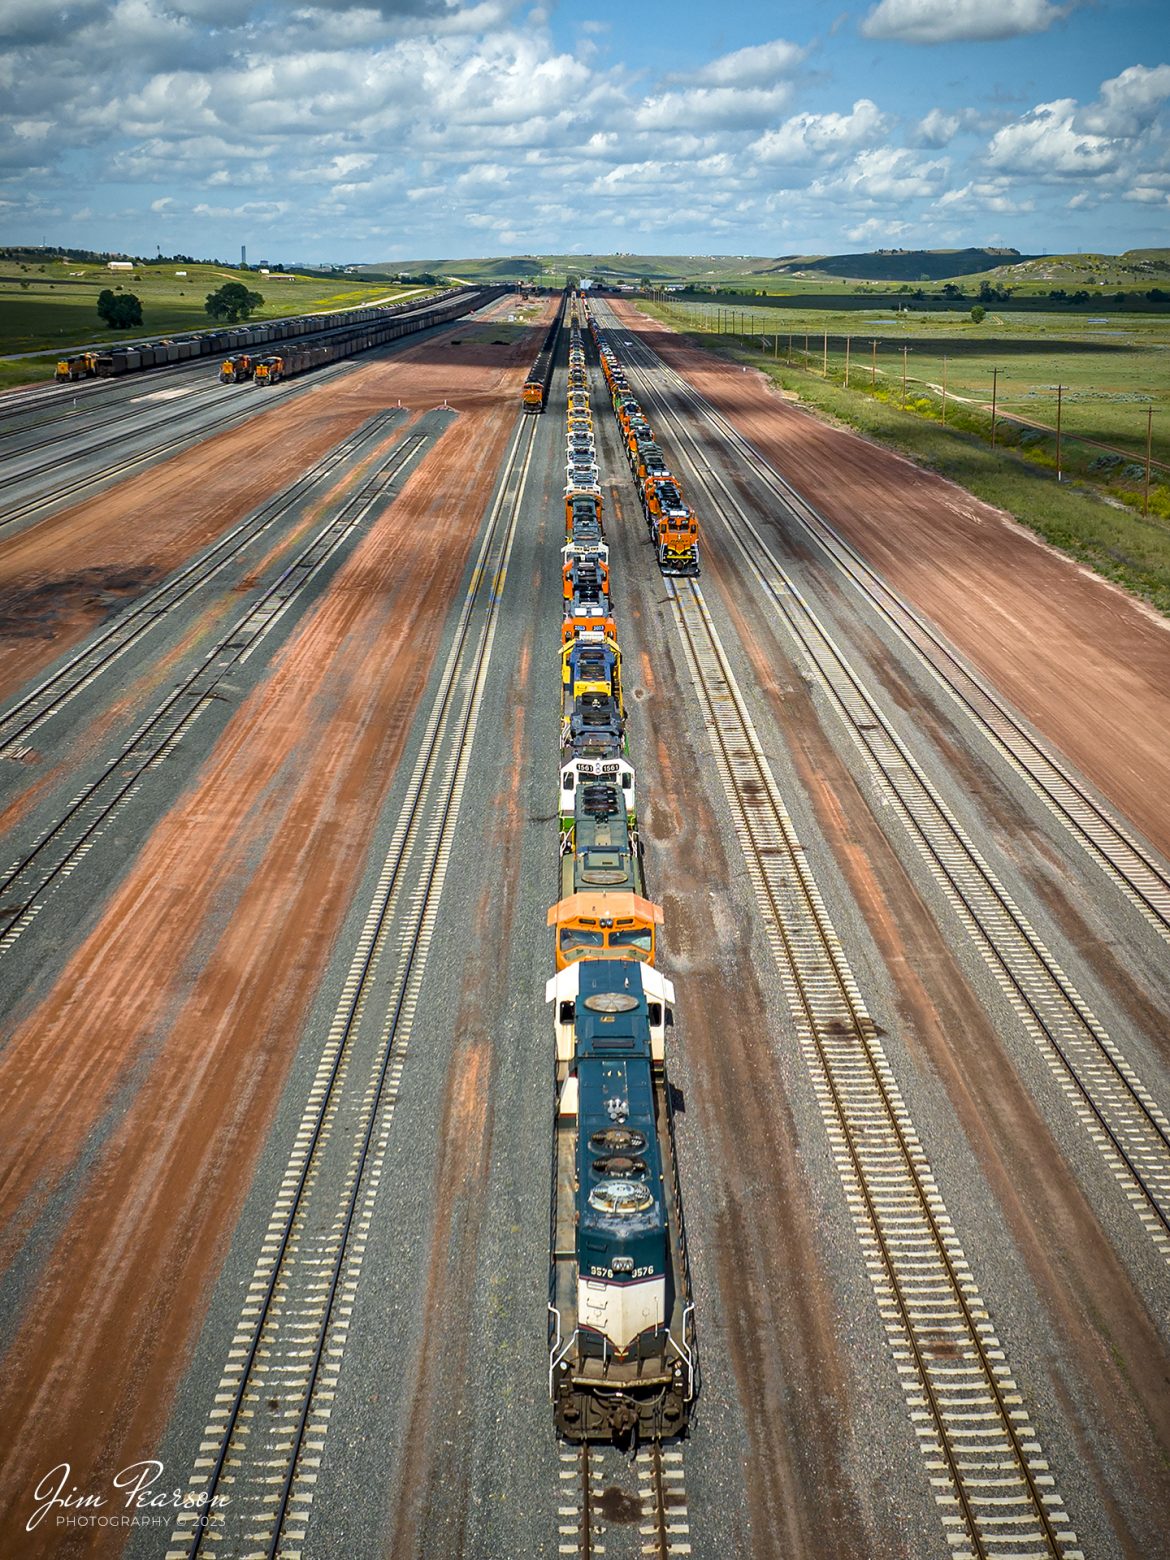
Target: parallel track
1130	865
12	515
22	718
1121	1116
263	1438
61	849
991	1482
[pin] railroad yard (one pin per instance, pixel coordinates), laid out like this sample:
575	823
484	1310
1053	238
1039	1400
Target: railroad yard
280	734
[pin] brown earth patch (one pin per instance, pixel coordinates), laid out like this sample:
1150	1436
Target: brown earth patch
192	986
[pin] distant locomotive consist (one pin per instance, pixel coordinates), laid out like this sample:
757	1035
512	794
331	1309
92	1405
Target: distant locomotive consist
622	1361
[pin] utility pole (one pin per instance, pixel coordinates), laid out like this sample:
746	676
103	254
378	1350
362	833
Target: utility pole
848	339
806	349
994	388
944	389
873	368
905	350
825	359
1059	398
788	359
1149	439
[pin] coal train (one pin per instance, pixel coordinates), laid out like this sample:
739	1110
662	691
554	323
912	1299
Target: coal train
535	392
312	340
622	1354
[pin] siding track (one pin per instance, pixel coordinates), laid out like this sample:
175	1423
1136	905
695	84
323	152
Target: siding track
63	846
995	1494
1111	1102
1132	866
265	1433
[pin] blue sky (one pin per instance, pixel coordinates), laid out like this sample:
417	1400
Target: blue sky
403	129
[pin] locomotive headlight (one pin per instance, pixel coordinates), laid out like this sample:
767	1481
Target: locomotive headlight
623	1264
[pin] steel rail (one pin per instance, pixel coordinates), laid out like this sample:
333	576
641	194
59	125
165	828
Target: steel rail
1122	1116
62	846
452	721
1130	864
930	1301
41	702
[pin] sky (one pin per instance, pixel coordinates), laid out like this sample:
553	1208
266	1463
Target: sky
336	131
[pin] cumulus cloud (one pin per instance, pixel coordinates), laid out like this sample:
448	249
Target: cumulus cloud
756	66
886	174
822	139
937	128
711	108
1045	143
1129	103
958	21
382	124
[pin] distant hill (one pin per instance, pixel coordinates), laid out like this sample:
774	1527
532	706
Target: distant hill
1138	269
899	265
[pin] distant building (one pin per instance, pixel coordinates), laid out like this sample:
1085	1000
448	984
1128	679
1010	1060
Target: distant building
180	273
119	265
243	256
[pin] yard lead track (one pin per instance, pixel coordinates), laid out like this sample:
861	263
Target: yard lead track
62	847
265	1433
992	1486
32	709
1122	1118
1129	864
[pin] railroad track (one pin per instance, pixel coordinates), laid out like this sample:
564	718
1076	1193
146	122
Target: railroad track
59	851
1128	863
607	1517
194	398
22	718
992	1485
265	1433
1119	1113
12	514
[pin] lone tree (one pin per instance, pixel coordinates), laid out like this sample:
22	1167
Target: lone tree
232	302
119	312
978	314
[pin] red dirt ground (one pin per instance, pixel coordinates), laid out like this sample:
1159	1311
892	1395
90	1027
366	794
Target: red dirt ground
188	994
64	575
1088	665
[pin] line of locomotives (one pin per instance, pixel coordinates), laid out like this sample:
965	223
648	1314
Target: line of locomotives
622	1355
670	520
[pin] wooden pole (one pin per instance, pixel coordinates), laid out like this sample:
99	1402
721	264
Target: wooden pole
905	350
994	388
1149	443
848	339
944	389
825	359
873	368
1059	399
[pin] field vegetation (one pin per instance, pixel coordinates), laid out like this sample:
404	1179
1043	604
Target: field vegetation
1116	388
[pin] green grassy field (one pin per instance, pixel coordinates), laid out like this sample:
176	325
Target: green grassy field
1111	371
1094	514
846	275
53	306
